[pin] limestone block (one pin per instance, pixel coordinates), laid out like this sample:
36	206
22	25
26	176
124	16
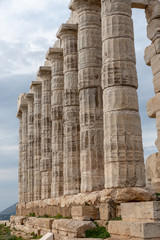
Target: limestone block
62	237
153	106
73	228
107	210
146	211
85	213
118	49
152	10
155	64
119	73
117	26
120	98
44	222
153	29
113	7
46	184
150	52
153	172
142	230
47	236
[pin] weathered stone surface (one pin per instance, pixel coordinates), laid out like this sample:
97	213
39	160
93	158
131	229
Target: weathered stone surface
123	156
107	210
153	171
36	86
55	55
148	211
71	151
150	52
89	83
85	213
135	230
30	100
153	106
72	228
152	10
47	236
46	155
153	29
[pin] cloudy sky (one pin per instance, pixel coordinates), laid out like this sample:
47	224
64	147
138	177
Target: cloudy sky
27	30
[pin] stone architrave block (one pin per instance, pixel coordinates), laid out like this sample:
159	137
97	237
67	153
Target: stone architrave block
85	213
72	228
48	236
142	4
149	53
147	211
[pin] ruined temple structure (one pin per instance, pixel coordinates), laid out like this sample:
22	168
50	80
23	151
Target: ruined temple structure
80	138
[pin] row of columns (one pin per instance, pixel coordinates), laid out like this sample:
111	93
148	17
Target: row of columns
84	131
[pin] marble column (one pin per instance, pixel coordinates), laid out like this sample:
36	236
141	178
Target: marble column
55	56
152	58
36	86
30	98
71	151
90	94
24	110
20	174
123	150
46	155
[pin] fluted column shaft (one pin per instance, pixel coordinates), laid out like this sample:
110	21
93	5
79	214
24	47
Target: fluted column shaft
123	159
24	110
36	86
90	94
20	173
46	154
71	151
57	86
30	98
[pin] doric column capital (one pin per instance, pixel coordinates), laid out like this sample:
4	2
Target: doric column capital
22	103
54	54
82	5
44	72
67	29
19	115
29	97
36	85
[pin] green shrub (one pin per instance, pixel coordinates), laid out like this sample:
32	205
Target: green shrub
98	232
116	219
32	214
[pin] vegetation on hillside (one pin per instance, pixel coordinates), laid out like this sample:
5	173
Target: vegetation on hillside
5	233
